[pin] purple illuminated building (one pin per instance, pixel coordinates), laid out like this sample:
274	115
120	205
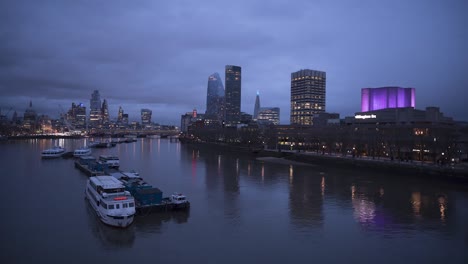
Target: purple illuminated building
386	97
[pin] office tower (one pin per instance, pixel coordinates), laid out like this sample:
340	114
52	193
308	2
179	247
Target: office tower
30	118
95	117
387	97
146	117
105	113
257	106
80	116
76	116
215	97
125	119
269	115
232	95
308	90
120	115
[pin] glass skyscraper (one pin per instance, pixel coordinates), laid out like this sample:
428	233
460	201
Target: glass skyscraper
233	95
215	97
95	117
308	90
257	106
146	117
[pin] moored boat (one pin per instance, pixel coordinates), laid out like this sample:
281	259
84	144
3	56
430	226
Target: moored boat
55	152
147	197
179	200
112	204
84	151
111	161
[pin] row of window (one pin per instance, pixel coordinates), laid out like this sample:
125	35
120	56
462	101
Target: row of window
117	206
306	96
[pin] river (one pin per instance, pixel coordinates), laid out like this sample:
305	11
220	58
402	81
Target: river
243	210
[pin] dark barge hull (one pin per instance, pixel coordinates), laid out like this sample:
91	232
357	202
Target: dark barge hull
164	207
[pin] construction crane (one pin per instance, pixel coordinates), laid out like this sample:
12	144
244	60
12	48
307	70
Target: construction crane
5	117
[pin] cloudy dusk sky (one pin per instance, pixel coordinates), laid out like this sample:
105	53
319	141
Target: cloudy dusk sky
159	54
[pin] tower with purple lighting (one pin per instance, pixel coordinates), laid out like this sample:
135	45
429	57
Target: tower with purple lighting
387	97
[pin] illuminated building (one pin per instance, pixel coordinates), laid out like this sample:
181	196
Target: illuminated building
146	117
386	97
257	106
105	113
95	117
308	90
233	95
215	97
76	116
269	115
30	118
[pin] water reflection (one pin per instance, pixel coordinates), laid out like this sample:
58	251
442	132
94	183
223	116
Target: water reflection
110	237
306	200
379	203
152	223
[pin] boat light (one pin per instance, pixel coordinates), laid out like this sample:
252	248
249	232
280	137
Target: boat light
120	198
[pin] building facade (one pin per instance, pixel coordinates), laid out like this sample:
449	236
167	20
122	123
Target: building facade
76	116
269	115
30	118
95	117
215	97
387	97
105	113
308	92
257	106
233	80
146	117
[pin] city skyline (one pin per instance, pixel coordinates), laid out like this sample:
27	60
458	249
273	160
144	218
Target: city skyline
58	53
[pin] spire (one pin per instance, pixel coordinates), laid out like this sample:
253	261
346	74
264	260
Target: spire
30	104
257	105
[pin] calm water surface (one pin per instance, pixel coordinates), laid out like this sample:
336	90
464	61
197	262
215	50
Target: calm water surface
243	211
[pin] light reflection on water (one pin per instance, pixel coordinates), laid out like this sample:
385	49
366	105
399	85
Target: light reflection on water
239	202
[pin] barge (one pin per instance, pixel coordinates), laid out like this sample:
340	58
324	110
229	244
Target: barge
90	166
150	199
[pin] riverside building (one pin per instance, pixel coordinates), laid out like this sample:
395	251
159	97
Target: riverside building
308	91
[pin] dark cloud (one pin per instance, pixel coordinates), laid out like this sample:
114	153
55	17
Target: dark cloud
158	55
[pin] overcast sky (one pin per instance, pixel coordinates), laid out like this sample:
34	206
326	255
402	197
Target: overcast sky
159	54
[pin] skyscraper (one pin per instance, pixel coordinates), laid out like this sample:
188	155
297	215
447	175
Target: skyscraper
146	117
386	97
120	115
233	95
76	116
95	117
215	97
105	113
257	106
30	118
308	90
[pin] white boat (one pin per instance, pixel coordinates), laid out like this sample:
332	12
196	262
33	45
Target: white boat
111	161
112	204
55	152
85	151
179	200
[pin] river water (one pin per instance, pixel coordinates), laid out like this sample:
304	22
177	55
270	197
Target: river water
243	210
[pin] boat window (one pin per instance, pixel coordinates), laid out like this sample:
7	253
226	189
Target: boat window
124	205
131	204
111	206
104	205
117	206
